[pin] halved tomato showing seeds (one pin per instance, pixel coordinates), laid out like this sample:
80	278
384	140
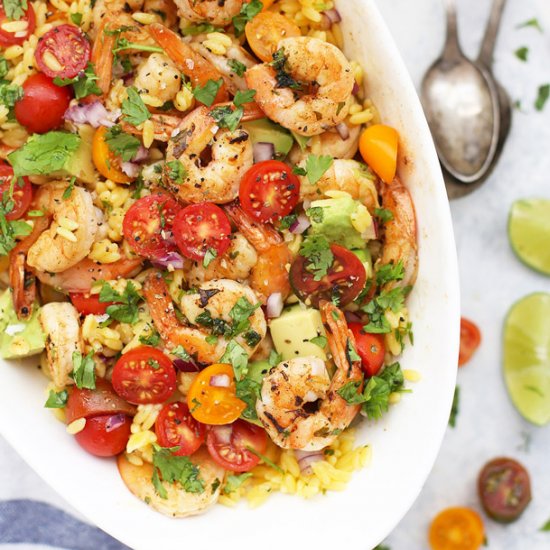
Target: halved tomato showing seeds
27	24
22	194
175	427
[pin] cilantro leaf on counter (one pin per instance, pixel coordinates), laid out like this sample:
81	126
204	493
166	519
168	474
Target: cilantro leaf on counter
207	93
83	370
455	407
522	53
542	97
133	109
121	144
534	22
546	526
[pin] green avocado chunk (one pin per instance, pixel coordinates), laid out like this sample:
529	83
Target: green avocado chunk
265	131
19	339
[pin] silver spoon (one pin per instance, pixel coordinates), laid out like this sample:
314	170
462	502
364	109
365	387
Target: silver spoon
463	109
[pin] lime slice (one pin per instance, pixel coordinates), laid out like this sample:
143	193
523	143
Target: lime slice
529	232
527	357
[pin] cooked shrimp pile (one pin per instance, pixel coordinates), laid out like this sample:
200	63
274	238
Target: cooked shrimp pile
204	238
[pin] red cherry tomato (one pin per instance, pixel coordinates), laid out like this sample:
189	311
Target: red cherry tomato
175	427
148	223
105	435
144	375
22	195
84	403
63	51
470	338
202	227
89	304
370	348
12	38
43	104
269	191
344	280
229	445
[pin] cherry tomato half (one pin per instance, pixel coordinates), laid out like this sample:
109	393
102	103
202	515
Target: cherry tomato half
201	227
105	435
63	51
11	38
344	281
175	427
89	304
22	195
378	146
144	375
269	191
106	162
84	403
148	223
504	489
457	529
470	338
229	445
370	347
212	396
264	32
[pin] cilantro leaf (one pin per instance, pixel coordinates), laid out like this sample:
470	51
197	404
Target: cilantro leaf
10	94
121	144
10	229
316	214
316	166
522	53
4	67
122	44
287	221
57	400
226	117
376	393
181	353
84	84
542	97
242	97
349	392
534	22
152	339
247	13
76	18
383	214
284	79
176	171
546	526
44	153
237	67
236	355
15	9
320	341
69	190
175	469
207	93
248	390
125	309
210	255
455	407
240	314
83	370
234	481
134	110
351	352
390	272
316	249
274	358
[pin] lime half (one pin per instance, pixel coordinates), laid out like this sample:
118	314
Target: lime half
527	357
529	232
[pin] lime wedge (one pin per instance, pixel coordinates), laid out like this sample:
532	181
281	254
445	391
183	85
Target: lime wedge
527	357
529	232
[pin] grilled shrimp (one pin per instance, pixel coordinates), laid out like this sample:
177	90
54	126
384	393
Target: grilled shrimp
178	502
400	232
61	323
213	11
73	230
325	81
207	312
217	180
343	175
158	77
299	405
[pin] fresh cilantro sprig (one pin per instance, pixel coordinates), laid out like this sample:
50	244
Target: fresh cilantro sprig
284	80
207	93
236	356
176	171
83	370
15	9
57	400
534	22
247	13
390	272
229	117
316	249
237	67
10	94
121	144
522	53
10	229
393	299
125	309
316	166
455	408
248	390
542	97
133	109
84	84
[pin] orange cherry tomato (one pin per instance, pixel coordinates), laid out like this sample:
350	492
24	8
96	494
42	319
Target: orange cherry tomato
457	529
212	396
267	4
378	145
107	164
265	30
470	338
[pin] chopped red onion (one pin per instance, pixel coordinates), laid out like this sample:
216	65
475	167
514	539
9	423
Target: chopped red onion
300	225
263	151
141	155
220	381
306	459
352	317
170	258
274	305
114	422
93	113
130	169
185	366
343	130
355	89
333	15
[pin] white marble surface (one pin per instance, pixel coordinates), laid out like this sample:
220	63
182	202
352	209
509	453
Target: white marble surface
491	279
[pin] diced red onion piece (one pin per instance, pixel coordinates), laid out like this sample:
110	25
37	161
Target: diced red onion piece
343	130
326	23
220	381
306	459
274	305
130	169
263	151
300	225
93	113
141	155
185	366
333	15
171	258
115	422
355	89
352	317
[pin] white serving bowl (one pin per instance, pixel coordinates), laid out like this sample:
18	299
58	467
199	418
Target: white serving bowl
405	443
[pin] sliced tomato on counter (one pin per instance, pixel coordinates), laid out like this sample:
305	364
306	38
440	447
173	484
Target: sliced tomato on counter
105	435
88	304
212	396
22	194
148	223
457	529
230	445
106	162
144	375
470	338
17	37
63	51
269	191
199	228
370	347
175	427
343	282
378	145
504	489
84	403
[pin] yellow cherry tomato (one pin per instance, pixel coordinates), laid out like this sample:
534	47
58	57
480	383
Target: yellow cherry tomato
265	30
107	164
457	529
378	146
267	4
212	396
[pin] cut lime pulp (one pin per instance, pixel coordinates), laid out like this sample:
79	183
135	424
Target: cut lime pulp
527	357
529	232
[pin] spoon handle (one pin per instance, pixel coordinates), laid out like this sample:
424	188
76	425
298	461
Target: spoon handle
452	47
491	32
